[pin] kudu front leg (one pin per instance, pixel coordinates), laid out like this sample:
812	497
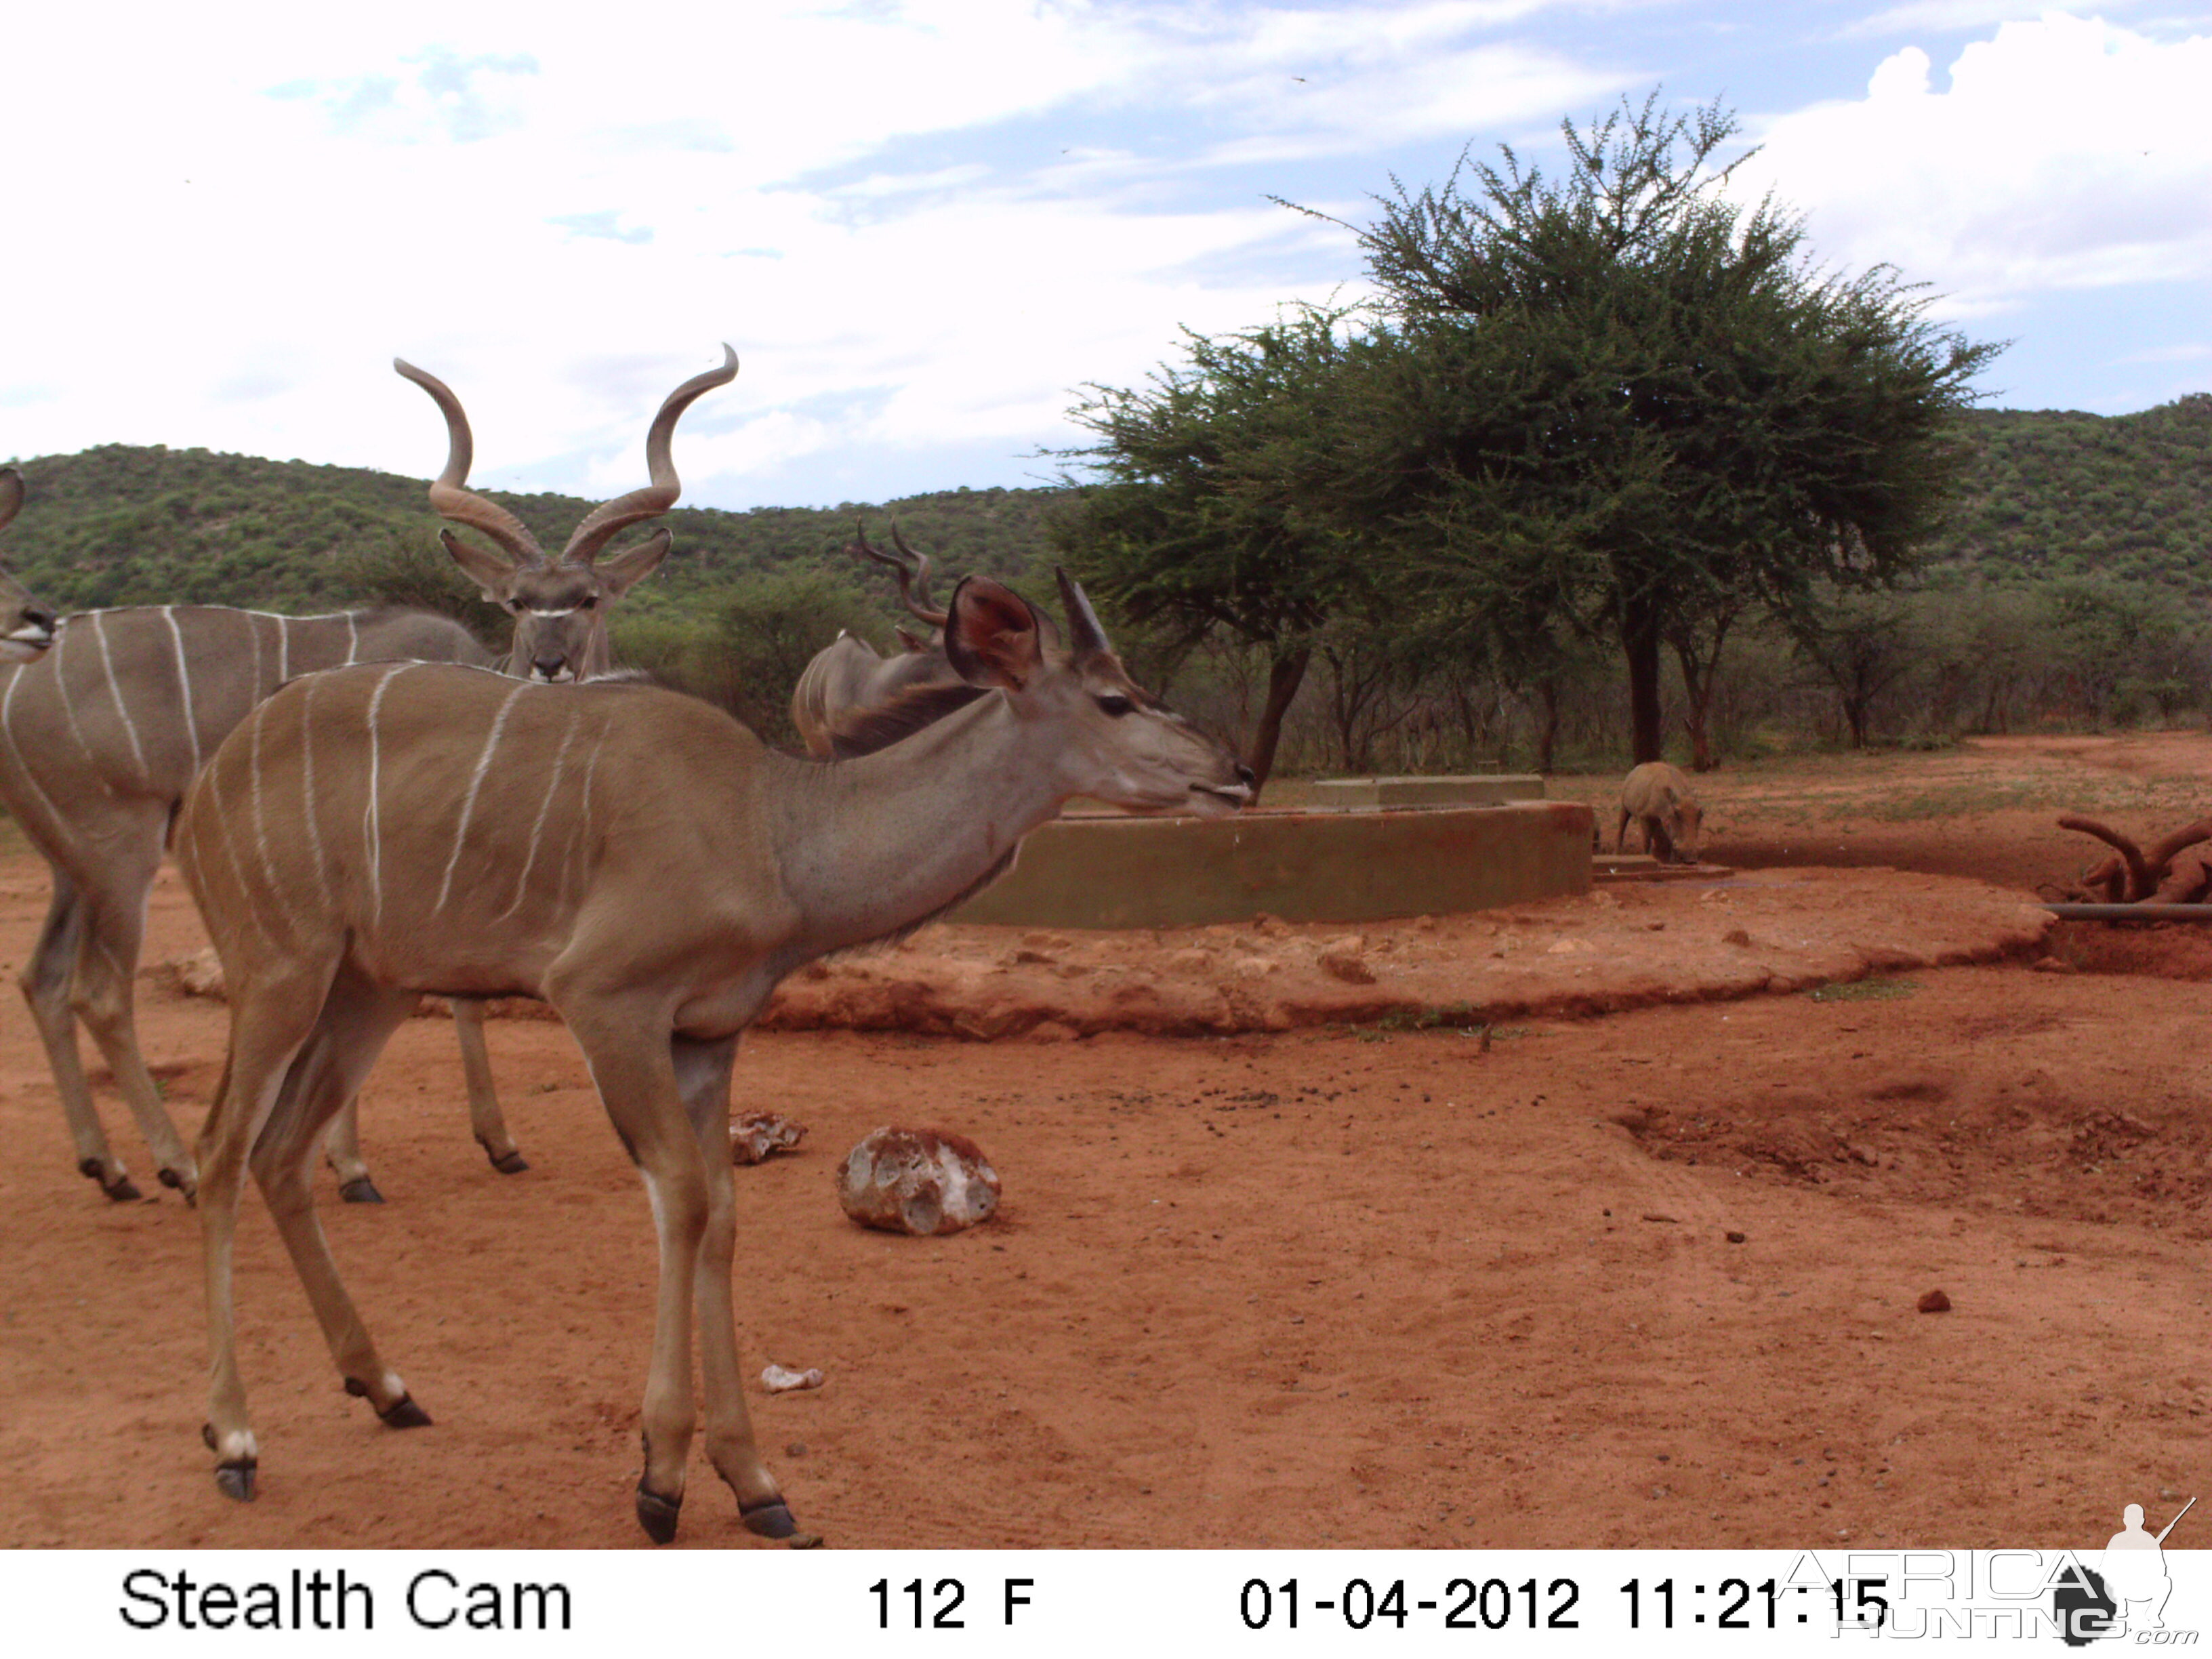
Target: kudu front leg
341	1151
702	1075
485	1120
633	1068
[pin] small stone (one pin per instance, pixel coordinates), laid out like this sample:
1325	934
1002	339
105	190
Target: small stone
756	1134
1734	1238
1656	1216
778	1379
1934	1301
2053	965
1344	962
1735	936
796	1449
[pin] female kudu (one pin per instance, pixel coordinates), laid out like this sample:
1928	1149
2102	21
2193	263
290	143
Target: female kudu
642	862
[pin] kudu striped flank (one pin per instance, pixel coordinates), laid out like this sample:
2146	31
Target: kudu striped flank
100	738
559	605
638	859
848	678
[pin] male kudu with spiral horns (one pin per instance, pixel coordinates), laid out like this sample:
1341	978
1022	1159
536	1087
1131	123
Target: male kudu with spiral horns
644	864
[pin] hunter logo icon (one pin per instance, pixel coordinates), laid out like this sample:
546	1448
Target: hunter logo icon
2128	1596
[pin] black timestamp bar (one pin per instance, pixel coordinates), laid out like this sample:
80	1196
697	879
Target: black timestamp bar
1364	1604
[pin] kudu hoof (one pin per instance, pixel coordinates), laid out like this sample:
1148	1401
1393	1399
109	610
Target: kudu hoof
170	1178
657	1515
360	1190
121	1191
401	1414
512	1163
770	1518
236	1480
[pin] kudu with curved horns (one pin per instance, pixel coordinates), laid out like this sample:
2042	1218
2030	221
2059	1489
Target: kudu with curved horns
639	860
848	678
27	627
559	605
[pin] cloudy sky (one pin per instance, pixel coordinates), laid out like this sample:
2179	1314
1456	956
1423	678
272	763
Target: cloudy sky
924	225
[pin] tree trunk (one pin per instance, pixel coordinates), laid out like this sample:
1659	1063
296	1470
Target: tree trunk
1547	734
1699	676
1285	673
1639	638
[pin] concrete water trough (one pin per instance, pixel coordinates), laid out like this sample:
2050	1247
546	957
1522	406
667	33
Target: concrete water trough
1300	865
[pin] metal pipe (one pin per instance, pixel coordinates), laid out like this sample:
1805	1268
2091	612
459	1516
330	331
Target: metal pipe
2131	912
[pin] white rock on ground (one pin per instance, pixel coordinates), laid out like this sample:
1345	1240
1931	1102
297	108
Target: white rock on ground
922	1182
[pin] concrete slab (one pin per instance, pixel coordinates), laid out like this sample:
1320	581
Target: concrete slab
1607	867
1299	866
1371	794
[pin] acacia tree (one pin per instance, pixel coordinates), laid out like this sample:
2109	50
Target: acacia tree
1628	392
1198	514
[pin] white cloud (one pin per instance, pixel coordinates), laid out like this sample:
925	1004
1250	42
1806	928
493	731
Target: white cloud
922	225
247	216
2064	153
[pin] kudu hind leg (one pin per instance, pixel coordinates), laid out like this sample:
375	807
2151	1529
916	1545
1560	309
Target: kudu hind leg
357	1020
47	982
702	1077
485	1118
114	928
268	1025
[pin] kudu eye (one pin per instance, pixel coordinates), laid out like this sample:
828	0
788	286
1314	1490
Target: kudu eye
1116	705
591	601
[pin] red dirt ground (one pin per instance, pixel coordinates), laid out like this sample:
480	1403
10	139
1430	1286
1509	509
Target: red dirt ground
1337	1285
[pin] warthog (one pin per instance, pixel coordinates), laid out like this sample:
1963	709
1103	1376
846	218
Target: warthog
1657	796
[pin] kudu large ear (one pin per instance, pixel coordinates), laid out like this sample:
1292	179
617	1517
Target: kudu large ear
491	572
993	637
11	493
623	570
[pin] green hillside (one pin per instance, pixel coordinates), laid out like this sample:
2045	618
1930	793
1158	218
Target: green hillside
2056	493
2051	493
125	525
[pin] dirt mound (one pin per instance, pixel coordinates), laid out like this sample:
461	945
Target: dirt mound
1609	950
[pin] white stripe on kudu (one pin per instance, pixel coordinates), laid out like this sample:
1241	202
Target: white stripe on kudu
310	806
372	822
538	824
123	714
476	782
192	718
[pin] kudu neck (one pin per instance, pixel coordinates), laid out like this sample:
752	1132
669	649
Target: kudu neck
875	844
